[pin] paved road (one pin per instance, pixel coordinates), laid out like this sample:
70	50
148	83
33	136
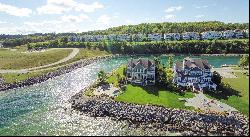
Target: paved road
71	55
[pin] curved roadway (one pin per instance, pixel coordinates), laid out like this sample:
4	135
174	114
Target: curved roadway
70	56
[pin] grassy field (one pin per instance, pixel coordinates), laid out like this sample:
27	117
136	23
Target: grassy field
84	54
154	96
239	97
15	77
87	53
18	60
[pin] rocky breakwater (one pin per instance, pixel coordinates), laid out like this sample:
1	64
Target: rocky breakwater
58	72
166	119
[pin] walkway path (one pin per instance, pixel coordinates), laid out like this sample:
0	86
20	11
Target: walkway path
207	104
70	56
227	72
106	89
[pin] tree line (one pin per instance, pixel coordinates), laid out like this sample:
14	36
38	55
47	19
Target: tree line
169	27
144	28
25	40
234	46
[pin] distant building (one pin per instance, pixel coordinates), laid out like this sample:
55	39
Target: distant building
1	45
138	37
1	81
99	38
246	33
211	35
228	34
155	37
123	37
172	36
194	73
167	36
141	72
111	37
190	36
238	34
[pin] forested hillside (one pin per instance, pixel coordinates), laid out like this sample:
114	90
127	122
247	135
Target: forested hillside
169	27
146	28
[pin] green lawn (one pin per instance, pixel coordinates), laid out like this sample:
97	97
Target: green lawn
154	96
18	60
239	99
240	84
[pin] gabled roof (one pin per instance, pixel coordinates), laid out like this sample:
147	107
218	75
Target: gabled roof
193	63
178	65
146	63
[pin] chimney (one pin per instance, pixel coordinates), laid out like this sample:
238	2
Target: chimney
183	63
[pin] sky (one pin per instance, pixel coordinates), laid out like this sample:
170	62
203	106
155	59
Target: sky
59	16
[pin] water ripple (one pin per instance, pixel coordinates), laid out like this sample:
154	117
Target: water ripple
43	109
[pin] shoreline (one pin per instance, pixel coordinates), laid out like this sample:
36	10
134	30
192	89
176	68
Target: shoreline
177	54
185	122
83	62
60	71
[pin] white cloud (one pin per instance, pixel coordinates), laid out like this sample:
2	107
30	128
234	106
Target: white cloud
199	16
15	11
104	19
72	18
59	26
2	22
172	9
52	9
61	6
66	3
170	16
88	8
201	7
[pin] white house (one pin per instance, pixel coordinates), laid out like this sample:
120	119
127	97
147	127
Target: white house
167	36
123	37
228	34
238	34
190	36
73	38
99	37
172	36
185	36
155	37
246	33
1	80
111	37
194	73
1	45
211	35
141	72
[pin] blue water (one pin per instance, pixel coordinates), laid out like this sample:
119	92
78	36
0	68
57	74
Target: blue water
43	109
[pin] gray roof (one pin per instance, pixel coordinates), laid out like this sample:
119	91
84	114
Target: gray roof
146	63
193	63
